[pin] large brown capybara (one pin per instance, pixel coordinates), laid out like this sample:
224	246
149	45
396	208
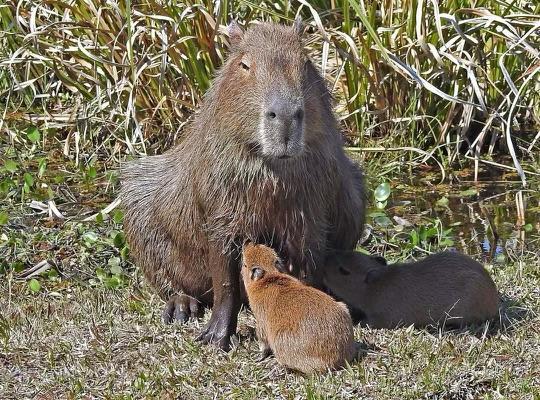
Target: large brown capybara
305	329
445	288
263	160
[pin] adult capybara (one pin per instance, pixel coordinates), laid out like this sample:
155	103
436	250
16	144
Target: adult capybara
306	329
447	287
263	160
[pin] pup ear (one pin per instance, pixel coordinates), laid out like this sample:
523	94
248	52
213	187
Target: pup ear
235	33
278	264
374	275
380	260
256	273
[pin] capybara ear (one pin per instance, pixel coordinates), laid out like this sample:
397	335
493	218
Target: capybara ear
235	33
374	275
256	273
279	266
298	25
246	243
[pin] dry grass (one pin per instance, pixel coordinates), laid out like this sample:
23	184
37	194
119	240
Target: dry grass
77	339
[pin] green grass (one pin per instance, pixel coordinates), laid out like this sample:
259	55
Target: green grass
93	330
77	340
86	84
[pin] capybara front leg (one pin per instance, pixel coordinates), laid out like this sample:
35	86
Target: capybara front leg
226	288
181	308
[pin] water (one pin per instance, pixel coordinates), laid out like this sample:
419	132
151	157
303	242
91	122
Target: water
490	220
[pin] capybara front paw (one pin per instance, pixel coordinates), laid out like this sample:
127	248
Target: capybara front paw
181	308
265	353
217	332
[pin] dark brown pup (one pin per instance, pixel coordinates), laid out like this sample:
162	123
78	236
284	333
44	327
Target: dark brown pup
263	160
307	330
447	287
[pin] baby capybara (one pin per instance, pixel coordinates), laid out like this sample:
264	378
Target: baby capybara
263	160
447	287
306	329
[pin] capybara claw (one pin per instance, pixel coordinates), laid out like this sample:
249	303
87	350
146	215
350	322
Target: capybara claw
216	332
181	308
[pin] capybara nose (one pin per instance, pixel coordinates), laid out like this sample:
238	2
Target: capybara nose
282	110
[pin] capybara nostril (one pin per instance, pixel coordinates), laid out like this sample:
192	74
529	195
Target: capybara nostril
271	115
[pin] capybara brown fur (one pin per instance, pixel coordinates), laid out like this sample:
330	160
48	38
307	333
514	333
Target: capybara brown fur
305	329
262	160
444	288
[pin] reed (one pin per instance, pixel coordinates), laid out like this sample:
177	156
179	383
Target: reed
456	79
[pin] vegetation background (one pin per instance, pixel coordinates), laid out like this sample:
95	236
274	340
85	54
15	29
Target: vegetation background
426	90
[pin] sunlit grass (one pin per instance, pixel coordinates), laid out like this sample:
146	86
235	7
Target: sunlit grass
425	75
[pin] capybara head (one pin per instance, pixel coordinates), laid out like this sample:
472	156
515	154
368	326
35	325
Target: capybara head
265	84
349	269
259	260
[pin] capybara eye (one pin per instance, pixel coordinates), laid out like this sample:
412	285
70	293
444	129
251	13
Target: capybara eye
244	63
344	271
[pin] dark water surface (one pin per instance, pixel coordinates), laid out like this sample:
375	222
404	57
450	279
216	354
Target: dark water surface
492	219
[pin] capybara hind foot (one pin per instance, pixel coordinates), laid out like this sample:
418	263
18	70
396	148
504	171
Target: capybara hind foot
181	308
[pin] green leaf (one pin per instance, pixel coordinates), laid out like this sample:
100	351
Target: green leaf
119	240
114	263
6	185
468	192
90	237
4	217
34	285
42	166
381	205
526	228
442	202
113	282
447	242
28	179
11	166
375	214
382	192
91	172
33	134
383	221
118	216
414	238
99	218
124	252
101	274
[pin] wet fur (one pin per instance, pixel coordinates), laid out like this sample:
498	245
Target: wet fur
187	210
447	287
306	329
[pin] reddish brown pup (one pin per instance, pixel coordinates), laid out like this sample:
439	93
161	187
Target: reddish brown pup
306	329
447	287
263	160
